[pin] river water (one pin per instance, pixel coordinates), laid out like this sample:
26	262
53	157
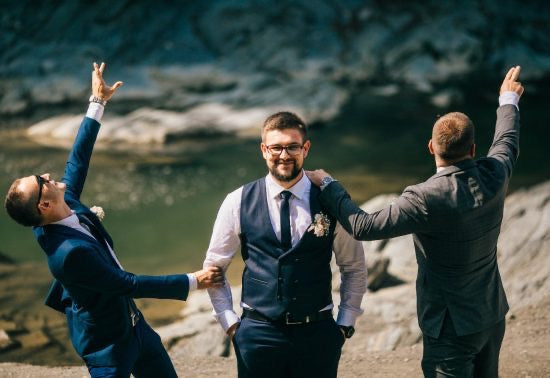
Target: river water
160	206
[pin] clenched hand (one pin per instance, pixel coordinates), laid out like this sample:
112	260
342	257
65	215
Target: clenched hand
211	276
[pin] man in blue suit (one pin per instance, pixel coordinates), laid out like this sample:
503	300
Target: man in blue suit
90	287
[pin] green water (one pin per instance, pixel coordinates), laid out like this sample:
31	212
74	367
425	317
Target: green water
160	207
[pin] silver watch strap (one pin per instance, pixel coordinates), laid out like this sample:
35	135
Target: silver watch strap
98	100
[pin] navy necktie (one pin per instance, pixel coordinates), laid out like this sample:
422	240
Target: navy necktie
286	239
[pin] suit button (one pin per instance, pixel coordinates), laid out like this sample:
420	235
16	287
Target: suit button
294	298
281	279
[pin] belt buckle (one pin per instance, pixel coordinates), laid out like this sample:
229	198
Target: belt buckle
287	319
134	317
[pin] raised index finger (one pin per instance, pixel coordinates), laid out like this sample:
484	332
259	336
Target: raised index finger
515	74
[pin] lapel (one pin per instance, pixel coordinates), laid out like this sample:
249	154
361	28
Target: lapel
51	236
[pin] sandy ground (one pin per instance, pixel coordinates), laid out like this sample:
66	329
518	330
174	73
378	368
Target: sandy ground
525	353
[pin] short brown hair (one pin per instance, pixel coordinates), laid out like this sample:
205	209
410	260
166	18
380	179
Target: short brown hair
284	120
22	208
453	136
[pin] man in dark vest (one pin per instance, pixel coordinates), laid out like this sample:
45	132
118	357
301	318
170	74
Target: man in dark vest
286	239
455	218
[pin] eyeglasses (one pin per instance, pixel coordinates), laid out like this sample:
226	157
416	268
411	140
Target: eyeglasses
41	181
292	149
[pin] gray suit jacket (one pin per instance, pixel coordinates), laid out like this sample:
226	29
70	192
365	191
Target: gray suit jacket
455	219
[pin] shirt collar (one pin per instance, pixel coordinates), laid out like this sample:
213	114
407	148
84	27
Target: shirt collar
71	221
299	190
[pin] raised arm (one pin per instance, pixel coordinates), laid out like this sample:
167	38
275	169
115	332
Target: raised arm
76	168
505	146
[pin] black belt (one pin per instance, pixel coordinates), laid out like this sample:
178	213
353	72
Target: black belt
287	318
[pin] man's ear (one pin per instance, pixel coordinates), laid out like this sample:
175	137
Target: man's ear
44	206
431	147
307	146
473	150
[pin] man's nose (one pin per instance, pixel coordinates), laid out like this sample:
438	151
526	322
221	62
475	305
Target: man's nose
284	151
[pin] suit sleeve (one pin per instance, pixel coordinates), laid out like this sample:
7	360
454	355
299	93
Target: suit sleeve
407	214
505	146
83	267
78	162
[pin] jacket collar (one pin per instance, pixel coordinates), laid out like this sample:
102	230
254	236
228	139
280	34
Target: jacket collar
459	166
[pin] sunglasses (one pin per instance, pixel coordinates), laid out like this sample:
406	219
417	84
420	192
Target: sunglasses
41	181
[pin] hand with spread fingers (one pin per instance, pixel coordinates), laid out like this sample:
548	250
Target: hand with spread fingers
99	88
511	83
211	276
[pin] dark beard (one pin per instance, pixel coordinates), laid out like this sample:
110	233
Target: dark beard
286	178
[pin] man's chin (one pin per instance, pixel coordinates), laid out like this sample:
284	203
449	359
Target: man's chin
285	176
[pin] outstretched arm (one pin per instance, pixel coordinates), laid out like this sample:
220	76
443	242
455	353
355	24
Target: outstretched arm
405	215
76	168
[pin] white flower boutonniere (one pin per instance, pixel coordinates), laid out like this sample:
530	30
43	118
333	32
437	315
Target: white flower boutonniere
98	211
320	225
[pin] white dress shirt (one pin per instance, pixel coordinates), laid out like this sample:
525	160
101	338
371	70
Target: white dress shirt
225	242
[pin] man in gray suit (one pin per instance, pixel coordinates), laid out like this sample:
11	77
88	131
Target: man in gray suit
455	218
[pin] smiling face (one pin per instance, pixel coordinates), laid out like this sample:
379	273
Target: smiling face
286	167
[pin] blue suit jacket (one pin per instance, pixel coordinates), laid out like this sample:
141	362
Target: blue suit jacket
92	291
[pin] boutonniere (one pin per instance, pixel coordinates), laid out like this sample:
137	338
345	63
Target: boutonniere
98	211
320	225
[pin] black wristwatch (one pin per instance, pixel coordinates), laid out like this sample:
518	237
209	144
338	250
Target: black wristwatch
348	331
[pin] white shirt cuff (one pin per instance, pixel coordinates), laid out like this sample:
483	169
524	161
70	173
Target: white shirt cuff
95	111
346	318
509	98
227	319
192	281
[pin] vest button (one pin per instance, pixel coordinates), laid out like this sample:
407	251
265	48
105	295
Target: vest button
295	281
296	260
294	298
280	278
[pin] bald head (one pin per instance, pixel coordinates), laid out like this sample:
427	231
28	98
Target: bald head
453	137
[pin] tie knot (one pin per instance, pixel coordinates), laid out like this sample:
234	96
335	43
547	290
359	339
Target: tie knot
285	195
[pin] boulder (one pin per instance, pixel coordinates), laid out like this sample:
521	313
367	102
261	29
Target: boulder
6	342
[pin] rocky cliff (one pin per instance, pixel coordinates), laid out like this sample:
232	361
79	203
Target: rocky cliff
222	66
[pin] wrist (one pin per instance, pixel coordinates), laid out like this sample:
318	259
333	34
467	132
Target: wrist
509	98
325	181
98	100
